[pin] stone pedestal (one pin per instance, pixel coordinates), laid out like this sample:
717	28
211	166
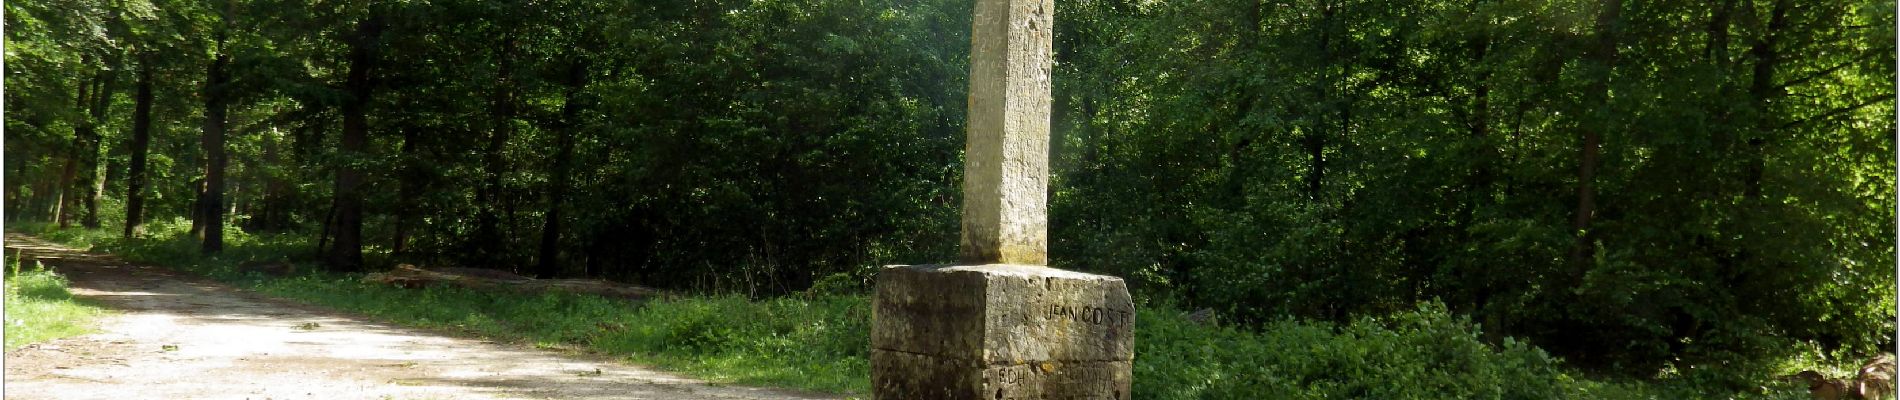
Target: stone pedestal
1000	331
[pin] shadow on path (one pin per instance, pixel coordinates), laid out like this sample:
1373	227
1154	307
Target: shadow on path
181	336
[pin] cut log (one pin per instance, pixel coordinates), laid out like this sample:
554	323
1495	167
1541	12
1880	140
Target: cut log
410	276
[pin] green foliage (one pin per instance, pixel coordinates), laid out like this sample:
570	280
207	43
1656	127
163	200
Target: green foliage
819	340
39	307
1421	354
1312	160
1332	160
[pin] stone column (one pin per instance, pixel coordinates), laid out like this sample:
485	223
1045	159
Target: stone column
1001	325
1006	154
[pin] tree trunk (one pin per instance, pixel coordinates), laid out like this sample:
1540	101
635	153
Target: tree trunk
211	204
1314	141
71	170
65	181
141	141
46	194
198	203
1478	185
235	194
15	199
1604	55
1761	90
346	254
1717	48
489	236
557	187
272	212
324	233
95	189
405	191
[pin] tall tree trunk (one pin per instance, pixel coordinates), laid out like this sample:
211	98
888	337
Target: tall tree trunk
550	264
211	207
405	191
1717	48
65	181
50	202
1604	56
272	212
141	141
1478	185
36	202
1314	141
46	194
1762	90
95	142
14	190
346	254
198	202
1720	107
489	234
324	233
71	170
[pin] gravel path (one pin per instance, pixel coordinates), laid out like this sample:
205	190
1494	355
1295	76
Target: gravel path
175	336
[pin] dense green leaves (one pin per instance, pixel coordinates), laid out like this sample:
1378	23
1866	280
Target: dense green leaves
1333	158
1640	187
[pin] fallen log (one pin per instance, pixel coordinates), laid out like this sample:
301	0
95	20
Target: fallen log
413	277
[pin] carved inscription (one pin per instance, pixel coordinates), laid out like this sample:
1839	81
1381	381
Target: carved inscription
1054	381
1000	332
1089	314
1010	376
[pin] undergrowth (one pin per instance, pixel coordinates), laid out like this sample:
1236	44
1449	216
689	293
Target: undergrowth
819	340
39	307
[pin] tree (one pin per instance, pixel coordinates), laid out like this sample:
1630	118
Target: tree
139	147
347	253
217	93
1694	181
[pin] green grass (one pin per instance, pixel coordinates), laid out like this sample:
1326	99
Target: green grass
819	340
39	308
812	343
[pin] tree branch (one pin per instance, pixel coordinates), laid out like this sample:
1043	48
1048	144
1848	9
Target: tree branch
1876	99
1831	70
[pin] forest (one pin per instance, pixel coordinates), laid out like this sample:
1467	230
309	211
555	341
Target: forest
1640	188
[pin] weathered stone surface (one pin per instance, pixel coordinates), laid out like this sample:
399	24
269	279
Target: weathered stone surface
1001	326
977	331
920	310
939	378
1006	155
1003	313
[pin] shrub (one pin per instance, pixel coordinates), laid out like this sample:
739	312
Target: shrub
1421	354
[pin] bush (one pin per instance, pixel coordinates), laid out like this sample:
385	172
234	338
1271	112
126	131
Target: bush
1422	354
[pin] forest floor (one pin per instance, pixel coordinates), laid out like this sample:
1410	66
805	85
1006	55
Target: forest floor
178	336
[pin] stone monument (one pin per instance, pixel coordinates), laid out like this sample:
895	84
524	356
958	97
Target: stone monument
1000	325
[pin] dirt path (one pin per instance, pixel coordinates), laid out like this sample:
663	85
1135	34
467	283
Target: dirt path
180	337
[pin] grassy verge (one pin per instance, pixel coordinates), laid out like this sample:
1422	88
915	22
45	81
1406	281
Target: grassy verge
812	343
819	340
39	308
